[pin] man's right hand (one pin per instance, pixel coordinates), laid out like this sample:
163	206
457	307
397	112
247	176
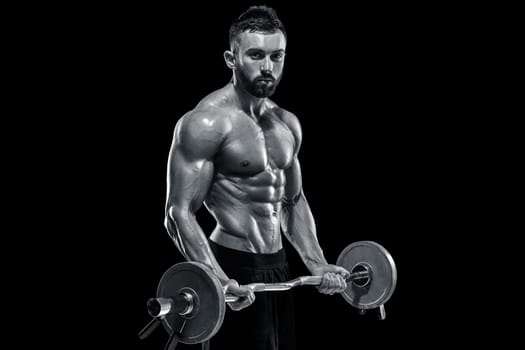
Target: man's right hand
245	294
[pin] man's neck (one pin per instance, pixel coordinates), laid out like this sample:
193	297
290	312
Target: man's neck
251	105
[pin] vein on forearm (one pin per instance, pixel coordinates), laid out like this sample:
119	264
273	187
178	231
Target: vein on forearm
299	227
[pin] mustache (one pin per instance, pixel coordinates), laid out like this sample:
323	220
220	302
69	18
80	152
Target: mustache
266	75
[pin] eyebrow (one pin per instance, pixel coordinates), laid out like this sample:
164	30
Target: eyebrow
258	49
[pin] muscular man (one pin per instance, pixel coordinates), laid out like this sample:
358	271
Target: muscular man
236	153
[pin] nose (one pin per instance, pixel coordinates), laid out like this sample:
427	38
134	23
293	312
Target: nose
267	65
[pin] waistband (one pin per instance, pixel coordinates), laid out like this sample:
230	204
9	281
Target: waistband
230	256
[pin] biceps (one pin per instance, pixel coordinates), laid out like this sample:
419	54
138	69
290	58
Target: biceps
188	182
294	182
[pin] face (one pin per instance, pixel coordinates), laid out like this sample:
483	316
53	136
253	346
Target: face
259	61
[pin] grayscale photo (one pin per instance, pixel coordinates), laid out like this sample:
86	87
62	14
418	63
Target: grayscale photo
236	153
257	175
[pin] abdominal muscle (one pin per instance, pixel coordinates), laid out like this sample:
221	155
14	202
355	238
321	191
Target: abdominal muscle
247	211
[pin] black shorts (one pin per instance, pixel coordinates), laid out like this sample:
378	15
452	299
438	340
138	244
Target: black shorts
267	324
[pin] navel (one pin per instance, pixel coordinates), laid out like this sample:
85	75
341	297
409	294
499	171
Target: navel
245	163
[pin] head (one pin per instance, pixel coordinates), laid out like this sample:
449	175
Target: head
257	49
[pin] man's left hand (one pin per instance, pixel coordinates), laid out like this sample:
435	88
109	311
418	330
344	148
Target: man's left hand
333	278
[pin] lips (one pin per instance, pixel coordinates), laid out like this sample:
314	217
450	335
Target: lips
267	81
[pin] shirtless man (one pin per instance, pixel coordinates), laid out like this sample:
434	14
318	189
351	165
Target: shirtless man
236	153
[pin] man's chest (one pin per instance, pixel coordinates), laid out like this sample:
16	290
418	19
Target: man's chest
252	146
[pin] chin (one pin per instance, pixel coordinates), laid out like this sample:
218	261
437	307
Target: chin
263	92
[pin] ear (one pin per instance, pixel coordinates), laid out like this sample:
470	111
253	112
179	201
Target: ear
229	58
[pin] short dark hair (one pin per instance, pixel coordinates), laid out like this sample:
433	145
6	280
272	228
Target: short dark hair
259	19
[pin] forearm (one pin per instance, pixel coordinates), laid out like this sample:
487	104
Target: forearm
191	241
299	227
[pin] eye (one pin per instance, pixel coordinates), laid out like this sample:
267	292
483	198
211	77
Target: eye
278	56
256	56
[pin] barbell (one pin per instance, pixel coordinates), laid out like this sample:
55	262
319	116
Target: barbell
191	302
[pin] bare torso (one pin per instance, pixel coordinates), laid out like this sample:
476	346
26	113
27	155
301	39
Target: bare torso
249	177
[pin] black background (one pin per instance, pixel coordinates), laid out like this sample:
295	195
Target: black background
376	90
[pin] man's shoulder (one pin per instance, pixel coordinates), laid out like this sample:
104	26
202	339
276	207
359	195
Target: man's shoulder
206	117
289	118
201	130
211	110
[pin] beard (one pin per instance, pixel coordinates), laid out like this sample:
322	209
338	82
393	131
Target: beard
258	87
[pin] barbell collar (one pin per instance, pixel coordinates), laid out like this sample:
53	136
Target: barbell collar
181	304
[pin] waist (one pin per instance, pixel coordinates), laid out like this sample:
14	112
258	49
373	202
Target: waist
228	256
246	237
